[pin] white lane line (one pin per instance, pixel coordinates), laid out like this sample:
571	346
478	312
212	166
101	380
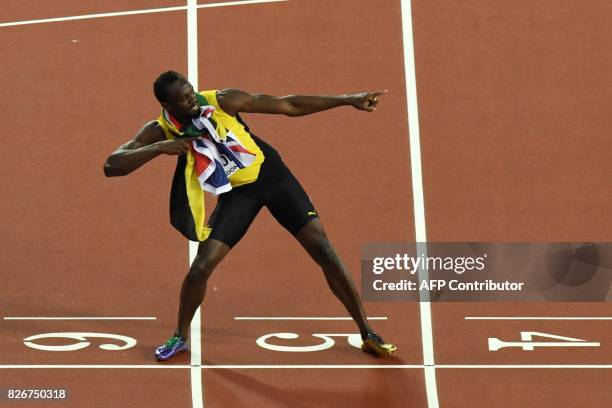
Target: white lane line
307	366
538	318
77	318
132	12
214	367
525	366
197	395
238	3
304	318
418	201
119	366
91	16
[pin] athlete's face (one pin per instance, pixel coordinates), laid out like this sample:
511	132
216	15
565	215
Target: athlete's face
182	102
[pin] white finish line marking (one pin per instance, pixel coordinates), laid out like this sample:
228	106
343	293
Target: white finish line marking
304	318
538	318
78	318
529	366
134	12
306	366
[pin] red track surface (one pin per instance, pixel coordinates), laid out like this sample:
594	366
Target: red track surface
513	100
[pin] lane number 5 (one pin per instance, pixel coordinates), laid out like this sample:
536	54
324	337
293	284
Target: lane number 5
354	339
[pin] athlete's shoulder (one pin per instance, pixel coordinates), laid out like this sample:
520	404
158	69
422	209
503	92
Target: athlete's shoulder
208	92
210	96
231	99
231	93
151	132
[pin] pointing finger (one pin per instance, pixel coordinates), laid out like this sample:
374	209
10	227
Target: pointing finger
378	93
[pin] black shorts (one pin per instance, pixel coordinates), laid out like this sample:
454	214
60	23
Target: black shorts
275	188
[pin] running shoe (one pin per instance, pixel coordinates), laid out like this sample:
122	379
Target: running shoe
173	346
375	345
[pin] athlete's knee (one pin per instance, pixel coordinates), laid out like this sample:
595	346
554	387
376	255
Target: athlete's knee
210	253
201	268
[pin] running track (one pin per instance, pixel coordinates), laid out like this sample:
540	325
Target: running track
513	118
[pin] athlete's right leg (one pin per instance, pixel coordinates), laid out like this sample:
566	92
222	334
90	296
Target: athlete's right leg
234	213
210	253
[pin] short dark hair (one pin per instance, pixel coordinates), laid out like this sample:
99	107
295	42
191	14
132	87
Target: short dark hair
161	83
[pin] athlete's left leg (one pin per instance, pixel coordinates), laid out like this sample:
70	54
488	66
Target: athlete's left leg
314	240
290	205
292	208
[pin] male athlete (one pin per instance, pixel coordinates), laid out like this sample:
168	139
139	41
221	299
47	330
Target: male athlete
265	182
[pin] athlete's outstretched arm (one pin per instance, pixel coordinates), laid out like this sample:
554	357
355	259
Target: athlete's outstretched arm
233	101
148	143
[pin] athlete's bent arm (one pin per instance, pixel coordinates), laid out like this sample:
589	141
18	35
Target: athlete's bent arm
148	143
233	101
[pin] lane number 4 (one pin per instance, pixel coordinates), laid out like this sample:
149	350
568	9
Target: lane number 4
527	342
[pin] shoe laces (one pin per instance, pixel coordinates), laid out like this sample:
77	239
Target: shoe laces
172	341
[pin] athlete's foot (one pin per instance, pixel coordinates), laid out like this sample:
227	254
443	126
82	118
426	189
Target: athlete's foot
374	344
173	346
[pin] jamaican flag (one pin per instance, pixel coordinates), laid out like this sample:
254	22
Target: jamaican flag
187	208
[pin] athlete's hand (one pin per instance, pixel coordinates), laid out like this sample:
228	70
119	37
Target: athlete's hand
366	101
175	146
